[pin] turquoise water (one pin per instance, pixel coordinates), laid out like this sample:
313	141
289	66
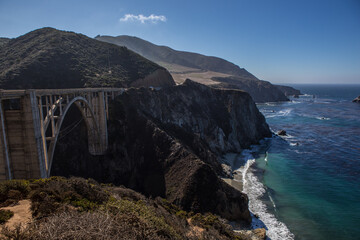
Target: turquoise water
312	177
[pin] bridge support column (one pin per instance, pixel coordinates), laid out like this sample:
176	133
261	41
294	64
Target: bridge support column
5	167
102	121
39	139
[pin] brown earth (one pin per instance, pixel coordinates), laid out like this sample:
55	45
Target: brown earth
22	214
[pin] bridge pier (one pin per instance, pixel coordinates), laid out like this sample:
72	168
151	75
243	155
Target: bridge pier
30	123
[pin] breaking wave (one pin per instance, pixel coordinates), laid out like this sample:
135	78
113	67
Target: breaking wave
276	230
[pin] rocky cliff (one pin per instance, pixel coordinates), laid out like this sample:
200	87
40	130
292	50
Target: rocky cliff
260	91
220	118
167	143
49	58
289	91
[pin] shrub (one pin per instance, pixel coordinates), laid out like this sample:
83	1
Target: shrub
12	191
49	194
143	214
5	215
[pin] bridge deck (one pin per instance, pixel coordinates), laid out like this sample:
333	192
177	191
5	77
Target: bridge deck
8	94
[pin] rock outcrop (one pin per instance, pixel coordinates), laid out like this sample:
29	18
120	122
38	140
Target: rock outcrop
49	58
260	91
289	91
357	99
282	133
167	142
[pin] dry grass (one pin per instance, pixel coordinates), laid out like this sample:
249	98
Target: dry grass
77	208
200	77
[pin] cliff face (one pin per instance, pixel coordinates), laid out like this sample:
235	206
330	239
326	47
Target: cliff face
49	58
167	142
221	118
260	91
289	91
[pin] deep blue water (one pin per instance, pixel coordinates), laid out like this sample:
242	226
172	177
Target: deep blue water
313	175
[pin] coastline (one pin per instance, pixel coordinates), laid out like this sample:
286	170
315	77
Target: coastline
245	180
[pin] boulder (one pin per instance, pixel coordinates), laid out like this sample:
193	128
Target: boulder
357	99
281	133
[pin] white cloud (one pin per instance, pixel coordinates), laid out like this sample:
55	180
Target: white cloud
143	19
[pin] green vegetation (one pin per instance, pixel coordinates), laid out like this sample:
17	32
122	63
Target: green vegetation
5	215
13	191
78	208
49	58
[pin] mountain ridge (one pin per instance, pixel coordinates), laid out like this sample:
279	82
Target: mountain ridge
50	58
213	71
159	53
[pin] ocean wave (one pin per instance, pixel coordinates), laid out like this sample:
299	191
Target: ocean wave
266	157
282	113
322	118
272	201
287	136
314	117
270	104
276	230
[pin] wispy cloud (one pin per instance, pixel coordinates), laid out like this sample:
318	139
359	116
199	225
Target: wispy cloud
143	19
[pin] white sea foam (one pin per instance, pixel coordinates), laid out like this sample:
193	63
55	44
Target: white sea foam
316	117
294	144
272	201
322	118
276	230
271	103
282	113
287	136
266	157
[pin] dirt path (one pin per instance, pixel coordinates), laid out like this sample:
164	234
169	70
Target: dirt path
22	214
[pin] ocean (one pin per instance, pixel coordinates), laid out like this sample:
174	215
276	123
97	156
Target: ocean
306	185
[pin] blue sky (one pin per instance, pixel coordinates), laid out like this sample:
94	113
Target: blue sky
282	41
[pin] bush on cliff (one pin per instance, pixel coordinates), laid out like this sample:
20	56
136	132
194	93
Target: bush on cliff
77	208
5	215
13	191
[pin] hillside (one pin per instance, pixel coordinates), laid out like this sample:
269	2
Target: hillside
81	209
289	91
3	41
163	54
49	58
212	71
260	91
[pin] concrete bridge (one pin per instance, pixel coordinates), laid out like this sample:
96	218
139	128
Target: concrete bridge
30	123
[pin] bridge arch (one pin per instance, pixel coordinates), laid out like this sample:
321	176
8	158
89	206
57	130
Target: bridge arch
94	137
30	128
